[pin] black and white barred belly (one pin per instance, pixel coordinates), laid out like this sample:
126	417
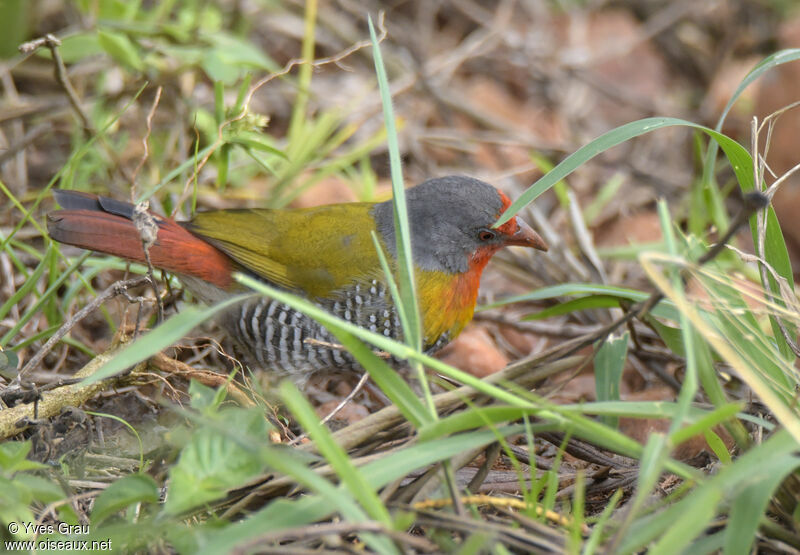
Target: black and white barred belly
283	339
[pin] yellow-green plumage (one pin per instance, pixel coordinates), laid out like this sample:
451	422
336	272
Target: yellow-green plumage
315	251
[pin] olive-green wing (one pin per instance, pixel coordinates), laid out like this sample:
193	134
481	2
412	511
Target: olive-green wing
314	251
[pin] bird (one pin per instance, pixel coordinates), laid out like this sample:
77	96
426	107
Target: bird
325	254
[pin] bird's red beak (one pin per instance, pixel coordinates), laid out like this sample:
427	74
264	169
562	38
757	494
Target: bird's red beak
525	236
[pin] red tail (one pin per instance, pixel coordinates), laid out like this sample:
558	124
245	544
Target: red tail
105	225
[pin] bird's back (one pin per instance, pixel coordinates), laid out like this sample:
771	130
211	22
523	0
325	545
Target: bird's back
312	251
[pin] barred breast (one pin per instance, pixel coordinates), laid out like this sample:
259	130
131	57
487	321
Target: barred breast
288	341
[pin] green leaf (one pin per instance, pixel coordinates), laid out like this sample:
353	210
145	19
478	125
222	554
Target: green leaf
398	464
41	488
256	141
717	446
775	247
15	24
15	505
750	504
690	523
120	48
410	319
608	364
27	286
204	399
472	418
774	456
584	154
13	457
213	461
9	363
771	61
131	489
670	335
219	69
280	514
236	50
231	56
664	309
352	478
79	46
581	303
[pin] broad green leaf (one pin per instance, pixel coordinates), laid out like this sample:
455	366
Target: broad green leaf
690	523
128	490
13	457
214	462
41	489
581	303
256	141
608	364
664	309
121	48
79	46
750	504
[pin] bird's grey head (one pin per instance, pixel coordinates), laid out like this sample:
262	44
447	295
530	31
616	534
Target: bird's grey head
450	217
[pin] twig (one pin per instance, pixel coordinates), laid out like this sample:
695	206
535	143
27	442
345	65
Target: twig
21	144
586	451
147	227
145	141
17	130
347	399
340	406
502	533
206	377
52	43
584	237
14	420
118	288
547	329
787	296
491	454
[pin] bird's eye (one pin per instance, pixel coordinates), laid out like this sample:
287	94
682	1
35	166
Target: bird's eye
486	235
